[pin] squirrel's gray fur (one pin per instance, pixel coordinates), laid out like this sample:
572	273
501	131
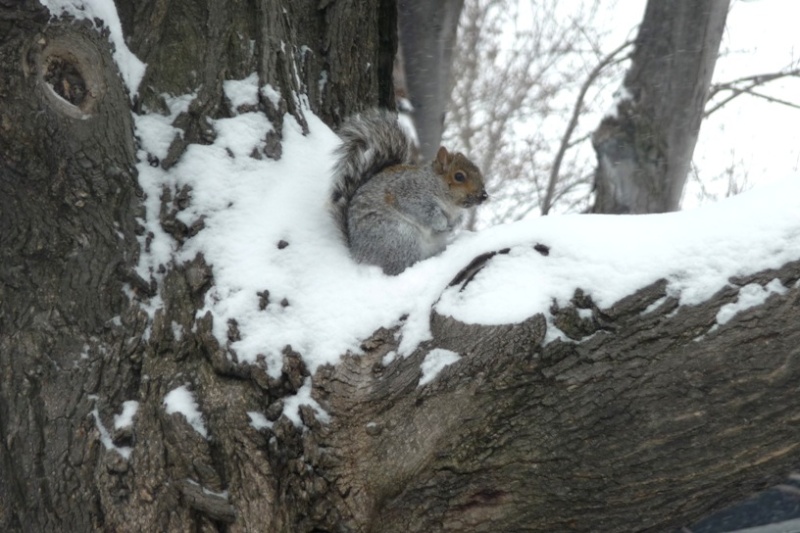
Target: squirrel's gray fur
391	212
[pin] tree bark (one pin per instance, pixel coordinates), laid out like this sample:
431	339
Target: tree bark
644	149
74	343
68	208
644	420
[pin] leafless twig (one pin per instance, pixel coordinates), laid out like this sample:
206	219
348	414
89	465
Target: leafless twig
746	85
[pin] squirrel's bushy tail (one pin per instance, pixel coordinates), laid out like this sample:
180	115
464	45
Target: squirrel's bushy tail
371	141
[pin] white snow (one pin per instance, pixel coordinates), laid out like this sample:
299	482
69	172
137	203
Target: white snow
434	362
750	295
389	357
156	133
177	331
291	405
322	304
272	94
125	418
105	436
258	420
130	67
655	305
223	494
180	400
620	95
242	92
612	256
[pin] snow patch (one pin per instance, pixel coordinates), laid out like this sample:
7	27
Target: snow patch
609	257
655	305
242	92
224	494
272	94
620	96
125	418
258	421
389	357
749	296
177	331
291	405
434	362
105	436
180	400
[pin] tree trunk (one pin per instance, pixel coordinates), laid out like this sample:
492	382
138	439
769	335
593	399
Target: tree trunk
644	149
428	37
73	346
643	424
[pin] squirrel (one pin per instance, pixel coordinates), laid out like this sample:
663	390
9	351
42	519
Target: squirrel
391	212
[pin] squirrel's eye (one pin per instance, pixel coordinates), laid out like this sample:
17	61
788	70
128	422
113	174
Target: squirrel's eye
460	177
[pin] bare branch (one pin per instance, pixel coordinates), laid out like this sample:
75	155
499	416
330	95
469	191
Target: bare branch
772	99
746	85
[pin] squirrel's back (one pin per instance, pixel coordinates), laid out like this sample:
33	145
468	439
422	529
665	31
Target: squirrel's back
371	142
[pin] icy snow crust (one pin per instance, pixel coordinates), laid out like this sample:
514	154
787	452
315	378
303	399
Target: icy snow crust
323	304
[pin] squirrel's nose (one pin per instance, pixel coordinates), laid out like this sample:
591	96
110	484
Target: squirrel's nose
483	196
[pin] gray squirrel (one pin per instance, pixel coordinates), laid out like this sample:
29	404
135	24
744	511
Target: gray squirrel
391	212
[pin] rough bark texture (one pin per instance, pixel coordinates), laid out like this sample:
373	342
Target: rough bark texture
68	202
643	421
428	36
645	151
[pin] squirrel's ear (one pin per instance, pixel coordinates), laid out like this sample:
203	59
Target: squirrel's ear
441	155
442	161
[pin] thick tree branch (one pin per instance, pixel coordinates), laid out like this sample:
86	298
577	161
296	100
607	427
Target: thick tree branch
644	417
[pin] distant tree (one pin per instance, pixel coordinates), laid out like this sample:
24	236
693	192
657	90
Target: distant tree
428	40
644	150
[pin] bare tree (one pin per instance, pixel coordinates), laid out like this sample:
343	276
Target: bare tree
527	118
644	151
620	428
